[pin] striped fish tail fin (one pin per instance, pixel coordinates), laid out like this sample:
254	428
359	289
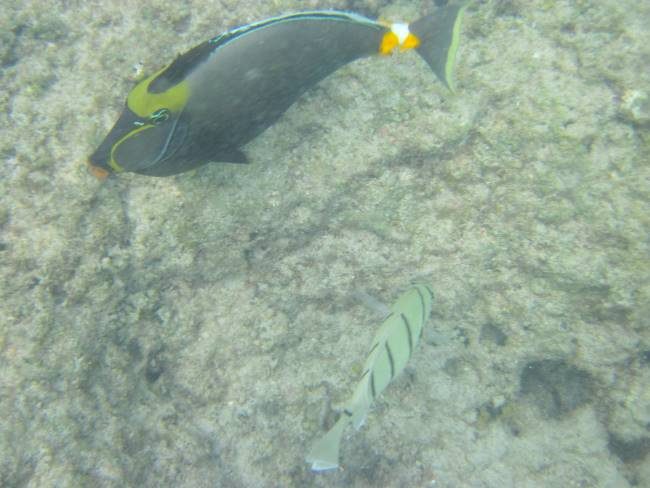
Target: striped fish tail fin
324	453
439	35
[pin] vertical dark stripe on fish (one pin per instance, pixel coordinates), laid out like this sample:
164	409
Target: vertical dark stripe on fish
422	304
372	385
429	291
408	332
390	360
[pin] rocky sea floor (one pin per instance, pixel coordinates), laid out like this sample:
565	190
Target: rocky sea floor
201	330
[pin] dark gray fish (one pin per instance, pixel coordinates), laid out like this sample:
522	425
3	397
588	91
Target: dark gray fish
216	97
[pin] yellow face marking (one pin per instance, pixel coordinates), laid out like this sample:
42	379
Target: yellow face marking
111	162
144	103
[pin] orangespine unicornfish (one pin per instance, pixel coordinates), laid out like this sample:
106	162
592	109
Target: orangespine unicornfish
216	97
391	348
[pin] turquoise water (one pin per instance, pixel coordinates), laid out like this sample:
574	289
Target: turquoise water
203	329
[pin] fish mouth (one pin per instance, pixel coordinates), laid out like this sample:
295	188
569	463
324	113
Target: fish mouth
140	146
101	158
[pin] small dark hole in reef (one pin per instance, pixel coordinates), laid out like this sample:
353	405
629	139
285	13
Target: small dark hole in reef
491	333
557	388
629	451
155	366
645	357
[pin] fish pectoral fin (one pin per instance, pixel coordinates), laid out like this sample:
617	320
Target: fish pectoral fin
232	155
372	303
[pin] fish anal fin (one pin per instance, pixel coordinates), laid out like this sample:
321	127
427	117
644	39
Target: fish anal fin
230	155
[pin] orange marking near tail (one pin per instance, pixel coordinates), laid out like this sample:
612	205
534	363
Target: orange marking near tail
388	43
412	41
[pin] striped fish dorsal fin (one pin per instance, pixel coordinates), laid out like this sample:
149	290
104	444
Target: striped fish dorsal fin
393	345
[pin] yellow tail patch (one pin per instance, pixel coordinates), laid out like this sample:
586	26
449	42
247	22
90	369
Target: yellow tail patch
388	43
398	37
412	41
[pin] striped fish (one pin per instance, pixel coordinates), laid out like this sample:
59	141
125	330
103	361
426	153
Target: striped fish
391	349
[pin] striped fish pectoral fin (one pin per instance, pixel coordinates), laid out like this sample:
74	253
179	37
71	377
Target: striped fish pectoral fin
324	453
439	35
372	303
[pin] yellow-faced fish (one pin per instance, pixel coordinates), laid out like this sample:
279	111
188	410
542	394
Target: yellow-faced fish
391	348
219	95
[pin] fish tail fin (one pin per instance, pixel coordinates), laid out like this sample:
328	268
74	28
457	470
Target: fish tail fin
324	453
439	34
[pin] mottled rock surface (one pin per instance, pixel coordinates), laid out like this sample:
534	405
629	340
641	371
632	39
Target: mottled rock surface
193	331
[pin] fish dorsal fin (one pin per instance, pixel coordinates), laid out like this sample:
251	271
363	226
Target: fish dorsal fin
178	70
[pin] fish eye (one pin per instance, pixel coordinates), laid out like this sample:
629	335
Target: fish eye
159	116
